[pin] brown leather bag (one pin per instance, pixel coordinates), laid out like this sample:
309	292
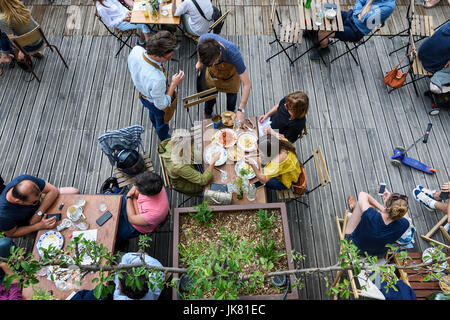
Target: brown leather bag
395	78
300	186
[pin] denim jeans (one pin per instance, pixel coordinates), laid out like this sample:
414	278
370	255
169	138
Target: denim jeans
125	25
157	118
275	184
126	230
5	44
231	103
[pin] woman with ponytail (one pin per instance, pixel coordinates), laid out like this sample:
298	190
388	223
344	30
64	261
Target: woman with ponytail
373	225
282	168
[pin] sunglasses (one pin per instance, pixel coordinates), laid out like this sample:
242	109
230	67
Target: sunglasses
398	197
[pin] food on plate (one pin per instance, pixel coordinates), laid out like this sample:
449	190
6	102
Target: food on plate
228	118
247	142
235	153
226	137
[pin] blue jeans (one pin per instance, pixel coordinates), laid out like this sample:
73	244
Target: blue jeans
157	118
125	25
275	184
231	103
5	44
126	230
5	245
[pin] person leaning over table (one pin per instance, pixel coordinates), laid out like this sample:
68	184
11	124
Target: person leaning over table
115	15
282	169
288	116
23	207
358	22
150	79
144	207
184	175
225	69
16	20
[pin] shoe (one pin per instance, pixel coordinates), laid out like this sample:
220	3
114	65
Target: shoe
428	192
430	3
317	53
38	55
310	34
424	199
23	65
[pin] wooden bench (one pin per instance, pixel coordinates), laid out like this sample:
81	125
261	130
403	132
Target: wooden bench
124	179
422	26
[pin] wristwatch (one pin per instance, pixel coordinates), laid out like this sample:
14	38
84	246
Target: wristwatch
129	197
39	213
241	110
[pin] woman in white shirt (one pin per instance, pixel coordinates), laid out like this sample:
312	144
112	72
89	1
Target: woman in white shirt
115	15
193	21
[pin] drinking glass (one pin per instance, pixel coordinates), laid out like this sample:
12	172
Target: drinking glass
80	201
251	192
102	207
319	14
223	176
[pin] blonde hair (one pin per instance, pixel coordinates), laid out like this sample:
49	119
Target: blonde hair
15	12
397	206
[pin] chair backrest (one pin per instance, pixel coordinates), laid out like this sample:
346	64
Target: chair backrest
218	21
29	38
321	167
165	176
200	97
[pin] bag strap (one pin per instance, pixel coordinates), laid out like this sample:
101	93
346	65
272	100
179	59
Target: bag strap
200	10
410	51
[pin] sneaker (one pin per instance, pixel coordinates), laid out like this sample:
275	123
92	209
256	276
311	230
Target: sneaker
141	44
447	227
428	192
316	53
424	199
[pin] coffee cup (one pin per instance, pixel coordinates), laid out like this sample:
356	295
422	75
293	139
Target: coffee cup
74	213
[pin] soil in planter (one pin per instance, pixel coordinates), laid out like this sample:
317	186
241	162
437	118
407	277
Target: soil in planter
241	223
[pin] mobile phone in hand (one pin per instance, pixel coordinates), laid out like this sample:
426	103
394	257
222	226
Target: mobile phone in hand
381	188
443	195
57	215
259	184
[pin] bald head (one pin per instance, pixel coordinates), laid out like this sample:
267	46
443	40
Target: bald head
26	190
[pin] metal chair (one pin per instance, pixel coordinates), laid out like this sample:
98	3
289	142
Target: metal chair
433	230
199	98
32	37
290	34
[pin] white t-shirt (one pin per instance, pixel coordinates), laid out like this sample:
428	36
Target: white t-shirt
196	21
112	12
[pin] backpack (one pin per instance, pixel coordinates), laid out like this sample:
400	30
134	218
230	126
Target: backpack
217	13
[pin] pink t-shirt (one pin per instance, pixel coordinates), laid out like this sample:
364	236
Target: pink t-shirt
153	209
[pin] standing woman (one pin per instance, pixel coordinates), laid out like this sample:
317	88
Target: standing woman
288	116
16	20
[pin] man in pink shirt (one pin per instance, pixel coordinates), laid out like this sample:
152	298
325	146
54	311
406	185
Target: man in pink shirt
144	207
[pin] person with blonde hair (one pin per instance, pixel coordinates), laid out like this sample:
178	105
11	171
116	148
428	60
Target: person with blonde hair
16	20
373	225
288	117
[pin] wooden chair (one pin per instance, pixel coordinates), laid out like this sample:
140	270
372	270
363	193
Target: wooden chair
289	34
118	34
436	227
124	180
198	98
29	38
322	172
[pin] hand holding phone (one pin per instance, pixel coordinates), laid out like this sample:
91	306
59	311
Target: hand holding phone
381	188
259	184
57	215
443	195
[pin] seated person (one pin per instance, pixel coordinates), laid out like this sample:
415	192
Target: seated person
193	21
6	52
431	198
124	292
373	225
144	207
358	22
23	207
288	116
434	52
183	174
115	15
282	169
16	20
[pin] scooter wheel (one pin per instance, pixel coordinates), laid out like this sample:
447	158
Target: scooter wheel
396	163
434	112
401	149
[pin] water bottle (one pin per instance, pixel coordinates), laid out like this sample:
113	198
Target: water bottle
308	4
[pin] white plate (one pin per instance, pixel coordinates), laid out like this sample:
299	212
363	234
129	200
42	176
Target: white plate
164	12
247	141
240	164
426	257
229	132
48	238
213	148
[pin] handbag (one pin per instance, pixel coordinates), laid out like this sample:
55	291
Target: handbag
299	187
217	13
395	78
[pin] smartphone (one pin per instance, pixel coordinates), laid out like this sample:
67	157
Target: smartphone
104	217
57	215
443	195
381	188
330	6
259	184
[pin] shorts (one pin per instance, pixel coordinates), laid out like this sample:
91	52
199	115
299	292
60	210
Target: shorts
351	33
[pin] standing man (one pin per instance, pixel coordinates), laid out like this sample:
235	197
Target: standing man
225	69
23	207
150	79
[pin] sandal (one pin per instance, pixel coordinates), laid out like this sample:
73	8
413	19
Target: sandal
351	203
38	55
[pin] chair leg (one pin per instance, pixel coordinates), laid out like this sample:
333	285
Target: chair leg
123	44
59	53
30	68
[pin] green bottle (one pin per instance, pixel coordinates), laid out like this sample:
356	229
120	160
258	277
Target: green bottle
308	4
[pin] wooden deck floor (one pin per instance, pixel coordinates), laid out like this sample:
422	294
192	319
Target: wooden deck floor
50	129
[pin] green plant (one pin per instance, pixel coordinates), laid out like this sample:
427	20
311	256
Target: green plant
203	214
266	249
41	294
264	223
239	184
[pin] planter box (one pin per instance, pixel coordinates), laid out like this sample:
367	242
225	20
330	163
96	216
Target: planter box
178	212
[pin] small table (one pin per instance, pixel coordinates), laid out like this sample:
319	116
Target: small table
138	15
229	166
106	235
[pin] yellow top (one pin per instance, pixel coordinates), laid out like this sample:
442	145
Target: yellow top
287	171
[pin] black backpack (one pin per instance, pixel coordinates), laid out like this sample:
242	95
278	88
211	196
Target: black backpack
217	13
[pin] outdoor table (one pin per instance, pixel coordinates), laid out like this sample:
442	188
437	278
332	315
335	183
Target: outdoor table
229	166
138	15
106	235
